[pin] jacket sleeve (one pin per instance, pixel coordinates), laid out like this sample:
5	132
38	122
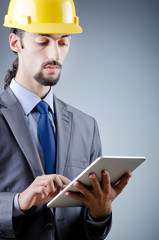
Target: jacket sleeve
97	230
6	209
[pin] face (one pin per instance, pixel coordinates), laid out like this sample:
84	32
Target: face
42	56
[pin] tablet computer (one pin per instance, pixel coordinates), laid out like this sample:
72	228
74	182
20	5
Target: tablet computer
117	166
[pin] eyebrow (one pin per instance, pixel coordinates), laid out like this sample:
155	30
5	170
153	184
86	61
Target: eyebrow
49	35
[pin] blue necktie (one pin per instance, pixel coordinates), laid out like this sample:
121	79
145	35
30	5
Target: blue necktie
46	137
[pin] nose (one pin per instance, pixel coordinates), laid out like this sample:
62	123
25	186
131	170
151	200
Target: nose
53	51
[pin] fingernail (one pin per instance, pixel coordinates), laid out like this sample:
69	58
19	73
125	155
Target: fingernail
92	176
76	184
105	172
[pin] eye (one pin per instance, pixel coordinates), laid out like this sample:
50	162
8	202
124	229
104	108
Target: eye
42	43
63	42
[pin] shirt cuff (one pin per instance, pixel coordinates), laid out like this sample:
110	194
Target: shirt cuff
103	219
16	208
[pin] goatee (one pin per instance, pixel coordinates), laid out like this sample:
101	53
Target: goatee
48	81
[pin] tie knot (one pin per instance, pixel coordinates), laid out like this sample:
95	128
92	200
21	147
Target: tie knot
42	107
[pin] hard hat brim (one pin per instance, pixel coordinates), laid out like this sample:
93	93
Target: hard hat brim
48	28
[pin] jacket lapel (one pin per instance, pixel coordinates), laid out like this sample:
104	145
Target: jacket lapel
17	122
63	134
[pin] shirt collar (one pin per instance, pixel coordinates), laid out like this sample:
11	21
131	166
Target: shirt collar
29	100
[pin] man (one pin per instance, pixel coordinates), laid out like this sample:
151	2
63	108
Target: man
44	142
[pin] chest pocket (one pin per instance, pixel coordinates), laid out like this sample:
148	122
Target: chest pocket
75	167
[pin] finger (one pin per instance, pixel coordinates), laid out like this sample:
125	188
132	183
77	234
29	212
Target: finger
42	190
84	190
106	185
64	186
95	184
77	196
65	180
51	186
44	185
58	183
47	182
123	182
44	194
52	195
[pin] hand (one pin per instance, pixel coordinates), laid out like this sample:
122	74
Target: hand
99	199
42	190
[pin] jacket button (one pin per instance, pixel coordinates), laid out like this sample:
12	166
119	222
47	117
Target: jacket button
49	226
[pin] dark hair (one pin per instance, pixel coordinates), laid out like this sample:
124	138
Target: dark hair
11	73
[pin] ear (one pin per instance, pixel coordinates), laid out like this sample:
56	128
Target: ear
14	42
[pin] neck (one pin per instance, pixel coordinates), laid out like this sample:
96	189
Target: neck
32	85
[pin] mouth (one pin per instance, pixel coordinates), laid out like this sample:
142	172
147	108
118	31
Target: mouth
52	69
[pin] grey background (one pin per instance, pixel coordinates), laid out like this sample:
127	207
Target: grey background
111	73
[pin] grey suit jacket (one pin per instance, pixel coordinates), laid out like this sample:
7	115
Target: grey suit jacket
78	144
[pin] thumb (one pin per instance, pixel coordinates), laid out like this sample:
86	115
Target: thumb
118	188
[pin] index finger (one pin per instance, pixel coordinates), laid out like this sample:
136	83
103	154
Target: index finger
106	185
64	180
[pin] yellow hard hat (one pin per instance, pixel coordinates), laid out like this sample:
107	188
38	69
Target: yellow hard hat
43	16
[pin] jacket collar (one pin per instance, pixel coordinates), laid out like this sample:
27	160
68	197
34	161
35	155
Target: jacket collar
63	129
15	117
16	120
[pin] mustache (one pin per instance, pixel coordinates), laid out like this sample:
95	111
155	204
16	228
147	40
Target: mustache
55	63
